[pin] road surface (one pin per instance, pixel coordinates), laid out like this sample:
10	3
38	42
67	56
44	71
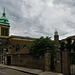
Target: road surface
6	71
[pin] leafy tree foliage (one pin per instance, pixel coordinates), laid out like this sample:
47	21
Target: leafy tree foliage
73	46
41	45
69	44
63	45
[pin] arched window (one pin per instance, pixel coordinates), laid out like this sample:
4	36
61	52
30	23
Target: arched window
17	47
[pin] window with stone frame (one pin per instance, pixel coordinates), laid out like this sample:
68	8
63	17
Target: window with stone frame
4	31
17	47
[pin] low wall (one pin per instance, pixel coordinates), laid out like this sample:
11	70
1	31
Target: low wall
28	61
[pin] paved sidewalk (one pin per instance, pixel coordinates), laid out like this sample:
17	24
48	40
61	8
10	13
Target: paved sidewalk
30	71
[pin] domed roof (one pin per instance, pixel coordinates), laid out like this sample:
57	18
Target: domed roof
4	20
56	32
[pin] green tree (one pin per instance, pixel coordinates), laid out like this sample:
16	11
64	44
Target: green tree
73	46
62	46
41	45
69	44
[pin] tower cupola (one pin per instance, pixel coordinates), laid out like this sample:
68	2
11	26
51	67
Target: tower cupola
56	37
4	25
4	20
56	32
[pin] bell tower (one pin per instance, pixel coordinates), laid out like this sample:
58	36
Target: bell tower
56	37
4	25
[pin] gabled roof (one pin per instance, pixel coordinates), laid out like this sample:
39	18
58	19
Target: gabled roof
23	51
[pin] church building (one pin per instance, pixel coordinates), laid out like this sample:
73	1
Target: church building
9	45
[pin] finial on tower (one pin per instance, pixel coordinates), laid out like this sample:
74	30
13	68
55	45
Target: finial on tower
4	12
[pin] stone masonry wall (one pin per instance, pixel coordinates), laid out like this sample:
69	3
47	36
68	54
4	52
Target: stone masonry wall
47	61
28	61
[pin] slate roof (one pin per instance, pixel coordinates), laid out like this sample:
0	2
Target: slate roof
22	51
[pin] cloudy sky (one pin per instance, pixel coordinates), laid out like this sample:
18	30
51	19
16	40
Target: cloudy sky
35	18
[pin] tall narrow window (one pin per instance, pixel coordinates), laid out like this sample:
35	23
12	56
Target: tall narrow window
17	47
4	31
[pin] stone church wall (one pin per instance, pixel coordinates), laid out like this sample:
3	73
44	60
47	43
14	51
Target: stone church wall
28	61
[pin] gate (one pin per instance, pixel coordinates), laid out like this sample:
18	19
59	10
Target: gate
53	63
72	63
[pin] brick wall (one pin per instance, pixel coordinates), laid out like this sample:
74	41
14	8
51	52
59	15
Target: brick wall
28	61
20	42
47	61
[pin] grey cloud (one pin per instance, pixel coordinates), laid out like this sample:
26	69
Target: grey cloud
34	19
69	3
